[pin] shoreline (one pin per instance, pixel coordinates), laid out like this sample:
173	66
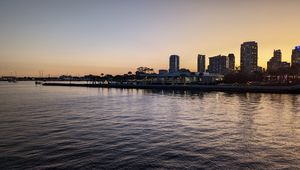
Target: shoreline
295	89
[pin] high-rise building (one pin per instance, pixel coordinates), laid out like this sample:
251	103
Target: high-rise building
296	57
231	62
249	53
174	64
201	63
275	63
277	55
221	64
218	64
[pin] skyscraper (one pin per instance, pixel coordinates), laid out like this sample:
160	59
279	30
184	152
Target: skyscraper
277	55
231	62
174	64
296	57
201	63
274	64
222	64
218	64
249	57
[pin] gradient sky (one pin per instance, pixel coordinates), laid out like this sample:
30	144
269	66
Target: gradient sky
116	36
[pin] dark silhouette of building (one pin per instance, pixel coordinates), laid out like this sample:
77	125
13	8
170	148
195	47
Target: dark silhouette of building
162	71
295	68
218	64
201	63
296	56
174	64
275	64
222	64
277	55
249	53
231	62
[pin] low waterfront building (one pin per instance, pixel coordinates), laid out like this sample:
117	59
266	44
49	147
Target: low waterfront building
209	78
182	77
162	72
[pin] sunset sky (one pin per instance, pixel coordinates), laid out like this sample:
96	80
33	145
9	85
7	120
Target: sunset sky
116	36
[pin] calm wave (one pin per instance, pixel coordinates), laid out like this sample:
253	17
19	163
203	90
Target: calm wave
90	128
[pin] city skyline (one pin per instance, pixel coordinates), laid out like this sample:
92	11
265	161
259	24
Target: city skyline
115	37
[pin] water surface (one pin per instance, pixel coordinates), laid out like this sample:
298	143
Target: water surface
98	128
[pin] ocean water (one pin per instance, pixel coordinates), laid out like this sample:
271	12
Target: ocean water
97	128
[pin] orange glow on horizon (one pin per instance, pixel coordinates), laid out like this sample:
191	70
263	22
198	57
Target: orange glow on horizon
114	38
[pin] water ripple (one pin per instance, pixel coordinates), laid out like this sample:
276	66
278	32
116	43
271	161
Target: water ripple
82	128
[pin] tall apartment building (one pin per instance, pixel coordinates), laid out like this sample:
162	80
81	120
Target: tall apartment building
231	62
275	63
296	56
218	64
249	57
201	63
174	64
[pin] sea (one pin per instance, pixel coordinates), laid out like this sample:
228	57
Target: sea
44	127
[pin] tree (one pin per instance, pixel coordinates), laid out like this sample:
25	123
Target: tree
145	70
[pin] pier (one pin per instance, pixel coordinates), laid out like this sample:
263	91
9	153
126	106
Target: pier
293	89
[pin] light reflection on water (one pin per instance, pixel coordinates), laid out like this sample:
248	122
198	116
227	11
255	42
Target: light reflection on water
73	127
